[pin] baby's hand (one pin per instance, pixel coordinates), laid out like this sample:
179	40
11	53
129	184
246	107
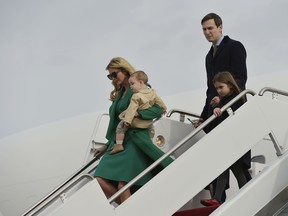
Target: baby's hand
126	124
217	112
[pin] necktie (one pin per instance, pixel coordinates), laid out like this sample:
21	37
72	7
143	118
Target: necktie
214	50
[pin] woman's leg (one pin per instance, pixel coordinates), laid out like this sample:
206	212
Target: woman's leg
126	194
108	188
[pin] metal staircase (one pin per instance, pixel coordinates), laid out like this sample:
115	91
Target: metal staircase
195	168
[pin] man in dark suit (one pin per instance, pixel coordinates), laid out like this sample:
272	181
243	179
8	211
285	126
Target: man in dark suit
225	54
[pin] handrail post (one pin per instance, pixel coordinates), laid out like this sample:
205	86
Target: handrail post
182	114
273	90
96	129
276	144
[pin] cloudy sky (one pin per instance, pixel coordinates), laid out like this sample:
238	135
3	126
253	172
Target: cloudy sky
53	53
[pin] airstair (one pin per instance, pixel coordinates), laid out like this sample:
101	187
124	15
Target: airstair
261	124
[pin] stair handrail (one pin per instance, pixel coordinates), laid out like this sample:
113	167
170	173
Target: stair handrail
77	180
182	114
73	176
61	186
273	90
97	126
180	144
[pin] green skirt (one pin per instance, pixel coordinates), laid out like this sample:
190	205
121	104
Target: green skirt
139	152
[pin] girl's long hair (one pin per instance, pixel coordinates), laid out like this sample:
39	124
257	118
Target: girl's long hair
227	78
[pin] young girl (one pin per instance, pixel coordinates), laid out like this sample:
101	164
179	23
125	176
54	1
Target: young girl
143	98
227	89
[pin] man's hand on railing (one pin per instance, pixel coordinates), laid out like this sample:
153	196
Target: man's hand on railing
196	123
100	151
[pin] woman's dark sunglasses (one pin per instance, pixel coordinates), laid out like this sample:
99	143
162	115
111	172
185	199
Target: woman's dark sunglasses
113	75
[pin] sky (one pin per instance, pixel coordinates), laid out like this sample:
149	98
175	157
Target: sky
53	54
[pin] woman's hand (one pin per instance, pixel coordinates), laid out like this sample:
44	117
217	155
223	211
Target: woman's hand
217	112
100	151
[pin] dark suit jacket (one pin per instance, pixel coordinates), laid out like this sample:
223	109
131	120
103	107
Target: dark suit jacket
230	56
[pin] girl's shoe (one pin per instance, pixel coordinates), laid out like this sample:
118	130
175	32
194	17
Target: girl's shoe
209	202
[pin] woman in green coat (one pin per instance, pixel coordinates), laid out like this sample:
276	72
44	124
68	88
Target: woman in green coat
115	170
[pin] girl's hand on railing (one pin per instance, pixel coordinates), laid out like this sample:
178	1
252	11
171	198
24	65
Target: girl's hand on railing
217	111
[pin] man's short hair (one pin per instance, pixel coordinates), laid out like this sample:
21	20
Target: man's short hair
217	19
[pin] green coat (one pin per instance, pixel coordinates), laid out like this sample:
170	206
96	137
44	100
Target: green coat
138	146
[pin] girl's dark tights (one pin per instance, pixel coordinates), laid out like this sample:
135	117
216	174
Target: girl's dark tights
222	180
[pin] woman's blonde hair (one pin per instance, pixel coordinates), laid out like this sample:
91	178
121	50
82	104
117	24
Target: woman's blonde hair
122	65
